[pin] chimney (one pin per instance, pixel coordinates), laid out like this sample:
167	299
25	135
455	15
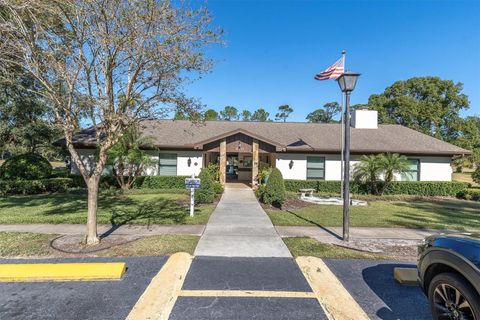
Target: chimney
365	119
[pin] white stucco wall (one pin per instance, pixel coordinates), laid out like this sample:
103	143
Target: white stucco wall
431	168
435	169
299	169
182	161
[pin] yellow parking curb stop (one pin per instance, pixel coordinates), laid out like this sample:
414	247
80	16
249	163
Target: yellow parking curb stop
62	271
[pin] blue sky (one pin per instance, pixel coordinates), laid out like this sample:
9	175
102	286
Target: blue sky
274	48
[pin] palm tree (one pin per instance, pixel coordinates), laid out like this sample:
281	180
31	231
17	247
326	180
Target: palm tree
391	164
368	171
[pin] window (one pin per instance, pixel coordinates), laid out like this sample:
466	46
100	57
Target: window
413	173
247	162
168	164
316	168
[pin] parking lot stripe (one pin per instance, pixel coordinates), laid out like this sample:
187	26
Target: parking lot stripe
246	293
159	298
332	295
87	271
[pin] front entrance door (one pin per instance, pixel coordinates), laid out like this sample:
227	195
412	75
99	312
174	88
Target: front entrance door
232	166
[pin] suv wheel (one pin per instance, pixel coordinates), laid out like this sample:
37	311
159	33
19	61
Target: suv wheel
452	297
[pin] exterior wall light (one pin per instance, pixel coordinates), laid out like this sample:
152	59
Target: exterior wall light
189	162
290	165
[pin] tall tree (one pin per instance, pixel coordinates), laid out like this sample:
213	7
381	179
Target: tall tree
229	113
326	114
260	115
180	115
210	115
246	115
283	112
106	64
427	104
25	118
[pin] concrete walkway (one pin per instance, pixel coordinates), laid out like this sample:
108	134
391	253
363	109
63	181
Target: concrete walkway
240	228
72	229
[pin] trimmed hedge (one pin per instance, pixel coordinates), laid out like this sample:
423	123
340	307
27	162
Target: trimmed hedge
163	182
419	188
426	188
25	187
469	194
323	186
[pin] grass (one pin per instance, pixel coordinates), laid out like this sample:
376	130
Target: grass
24	244
303	246
112	209
464	177
154	245
424	214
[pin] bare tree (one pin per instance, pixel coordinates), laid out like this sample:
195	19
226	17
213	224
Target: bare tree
106	64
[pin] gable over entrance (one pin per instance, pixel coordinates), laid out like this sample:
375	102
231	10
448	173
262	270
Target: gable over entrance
232	149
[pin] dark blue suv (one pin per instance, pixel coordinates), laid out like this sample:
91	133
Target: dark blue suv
449	274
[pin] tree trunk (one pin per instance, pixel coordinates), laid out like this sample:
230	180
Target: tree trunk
92	186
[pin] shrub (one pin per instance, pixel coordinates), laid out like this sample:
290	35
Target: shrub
295	185
206	192
260	191
324	186
27	166
264	174
274	193
476	175
426	188
469	194
213	170
163	182
12	187
217	187
419	188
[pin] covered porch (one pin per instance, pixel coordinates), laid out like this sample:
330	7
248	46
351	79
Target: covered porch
240	156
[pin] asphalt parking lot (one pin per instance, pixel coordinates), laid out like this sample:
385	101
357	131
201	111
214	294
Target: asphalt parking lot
78	299
370	283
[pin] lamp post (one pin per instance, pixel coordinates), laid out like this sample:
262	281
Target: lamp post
347	82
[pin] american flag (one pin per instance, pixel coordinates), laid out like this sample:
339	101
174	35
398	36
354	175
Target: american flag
332	72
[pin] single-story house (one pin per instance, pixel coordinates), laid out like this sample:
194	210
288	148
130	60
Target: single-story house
299	150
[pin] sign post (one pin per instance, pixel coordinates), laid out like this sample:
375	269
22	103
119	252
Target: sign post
192	184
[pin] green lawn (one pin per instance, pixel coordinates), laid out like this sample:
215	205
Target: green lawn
24	244
117	209
464	177
425	214
154	246
303	246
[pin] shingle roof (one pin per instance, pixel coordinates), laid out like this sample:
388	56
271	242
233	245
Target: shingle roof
291	136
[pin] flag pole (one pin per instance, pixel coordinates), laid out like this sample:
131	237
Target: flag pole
343	129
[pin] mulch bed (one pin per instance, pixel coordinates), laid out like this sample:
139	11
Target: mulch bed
74	244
